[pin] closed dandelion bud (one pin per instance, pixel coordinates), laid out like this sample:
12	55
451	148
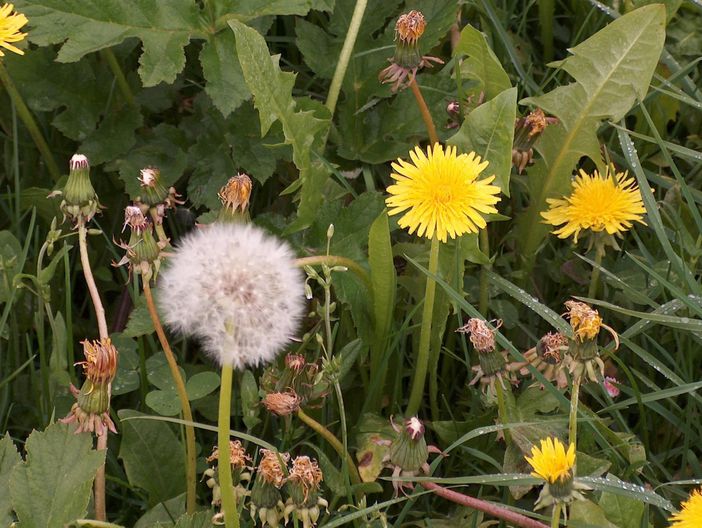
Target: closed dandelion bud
153	192
409	450
143	252
80	202
235	195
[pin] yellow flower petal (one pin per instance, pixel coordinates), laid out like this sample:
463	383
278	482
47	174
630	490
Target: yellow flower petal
10	25
690	514
440	194
598	203
552	463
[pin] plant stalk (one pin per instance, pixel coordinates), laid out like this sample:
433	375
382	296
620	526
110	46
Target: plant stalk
422	362
424	110
573	417
334	260
556	515
345	56
595	276
28	119
517	519
333	441
90	280
111	60
224	471
190	473
99	484
484	298
501	406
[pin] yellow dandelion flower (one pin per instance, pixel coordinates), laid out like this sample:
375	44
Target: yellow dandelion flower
10	24
552	463
690	516
598	203
441	193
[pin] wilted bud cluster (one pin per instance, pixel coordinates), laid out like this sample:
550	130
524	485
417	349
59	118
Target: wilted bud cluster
143	251
407	59
584	351
278	493
526	131
235	195
92	409
155	200
297	384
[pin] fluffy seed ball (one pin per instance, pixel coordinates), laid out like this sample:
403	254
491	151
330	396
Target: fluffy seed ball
237	289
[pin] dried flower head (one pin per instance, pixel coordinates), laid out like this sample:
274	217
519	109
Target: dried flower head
609	203
414	428
480	334
10	25
238	289
690	514
237	455
526	131
235	193
282	403
295	362
440	194
307	474
270	469
585	320
410	26
135	219
552	347
100	365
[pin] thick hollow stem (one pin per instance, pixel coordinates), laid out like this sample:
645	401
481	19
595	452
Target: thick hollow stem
573	418
89	280
517	519
424	110
29	122
556	515
99	484
190	470
224	471
333	260
595	276
333	441
422	362
345	56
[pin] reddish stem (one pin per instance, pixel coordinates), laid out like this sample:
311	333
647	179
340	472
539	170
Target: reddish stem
515	518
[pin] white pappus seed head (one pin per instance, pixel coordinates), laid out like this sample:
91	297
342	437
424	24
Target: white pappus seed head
238	289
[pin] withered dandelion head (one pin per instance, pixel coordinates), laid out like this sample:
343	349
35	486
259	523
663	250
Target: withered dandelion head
237	455
10	25
690	514
440	194
149	176
282	403
610	203
552	462
269	468
100	365
306	472
480	334
410	26
235	194
135	219
238	289
585	320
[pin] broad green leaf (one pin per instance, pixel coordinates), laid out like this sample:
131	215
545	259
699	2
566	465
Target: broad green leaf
201	384
481	64
139	322
612	69
52	486
489	132
220	66
85	26
246	10
384	281
127	378
303	130
163	402
153	457
201	519
115	135
587	514
626	489
9	458
625	512
163	514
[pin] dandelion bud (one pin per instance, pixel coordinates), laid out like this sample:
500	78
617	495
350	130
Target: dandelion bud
143	251
80	202
153	191
409	448
91	411
238	289
586	324
234	196
330	231
526	131
282	403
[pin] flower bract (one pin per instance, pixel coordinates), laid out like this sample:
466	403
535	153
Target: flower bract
440	194
552	462
690	514
238	289
10	25
610	203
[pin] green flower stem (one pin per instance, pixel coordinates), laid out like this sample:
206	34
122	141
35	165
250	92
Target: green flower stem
424	110
29	122
513	518
422	362
111	60
333	441
231	515
190	469
90	280
484	298
333	260
573	418
345	56
501	406
595	276
99	484
556	515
